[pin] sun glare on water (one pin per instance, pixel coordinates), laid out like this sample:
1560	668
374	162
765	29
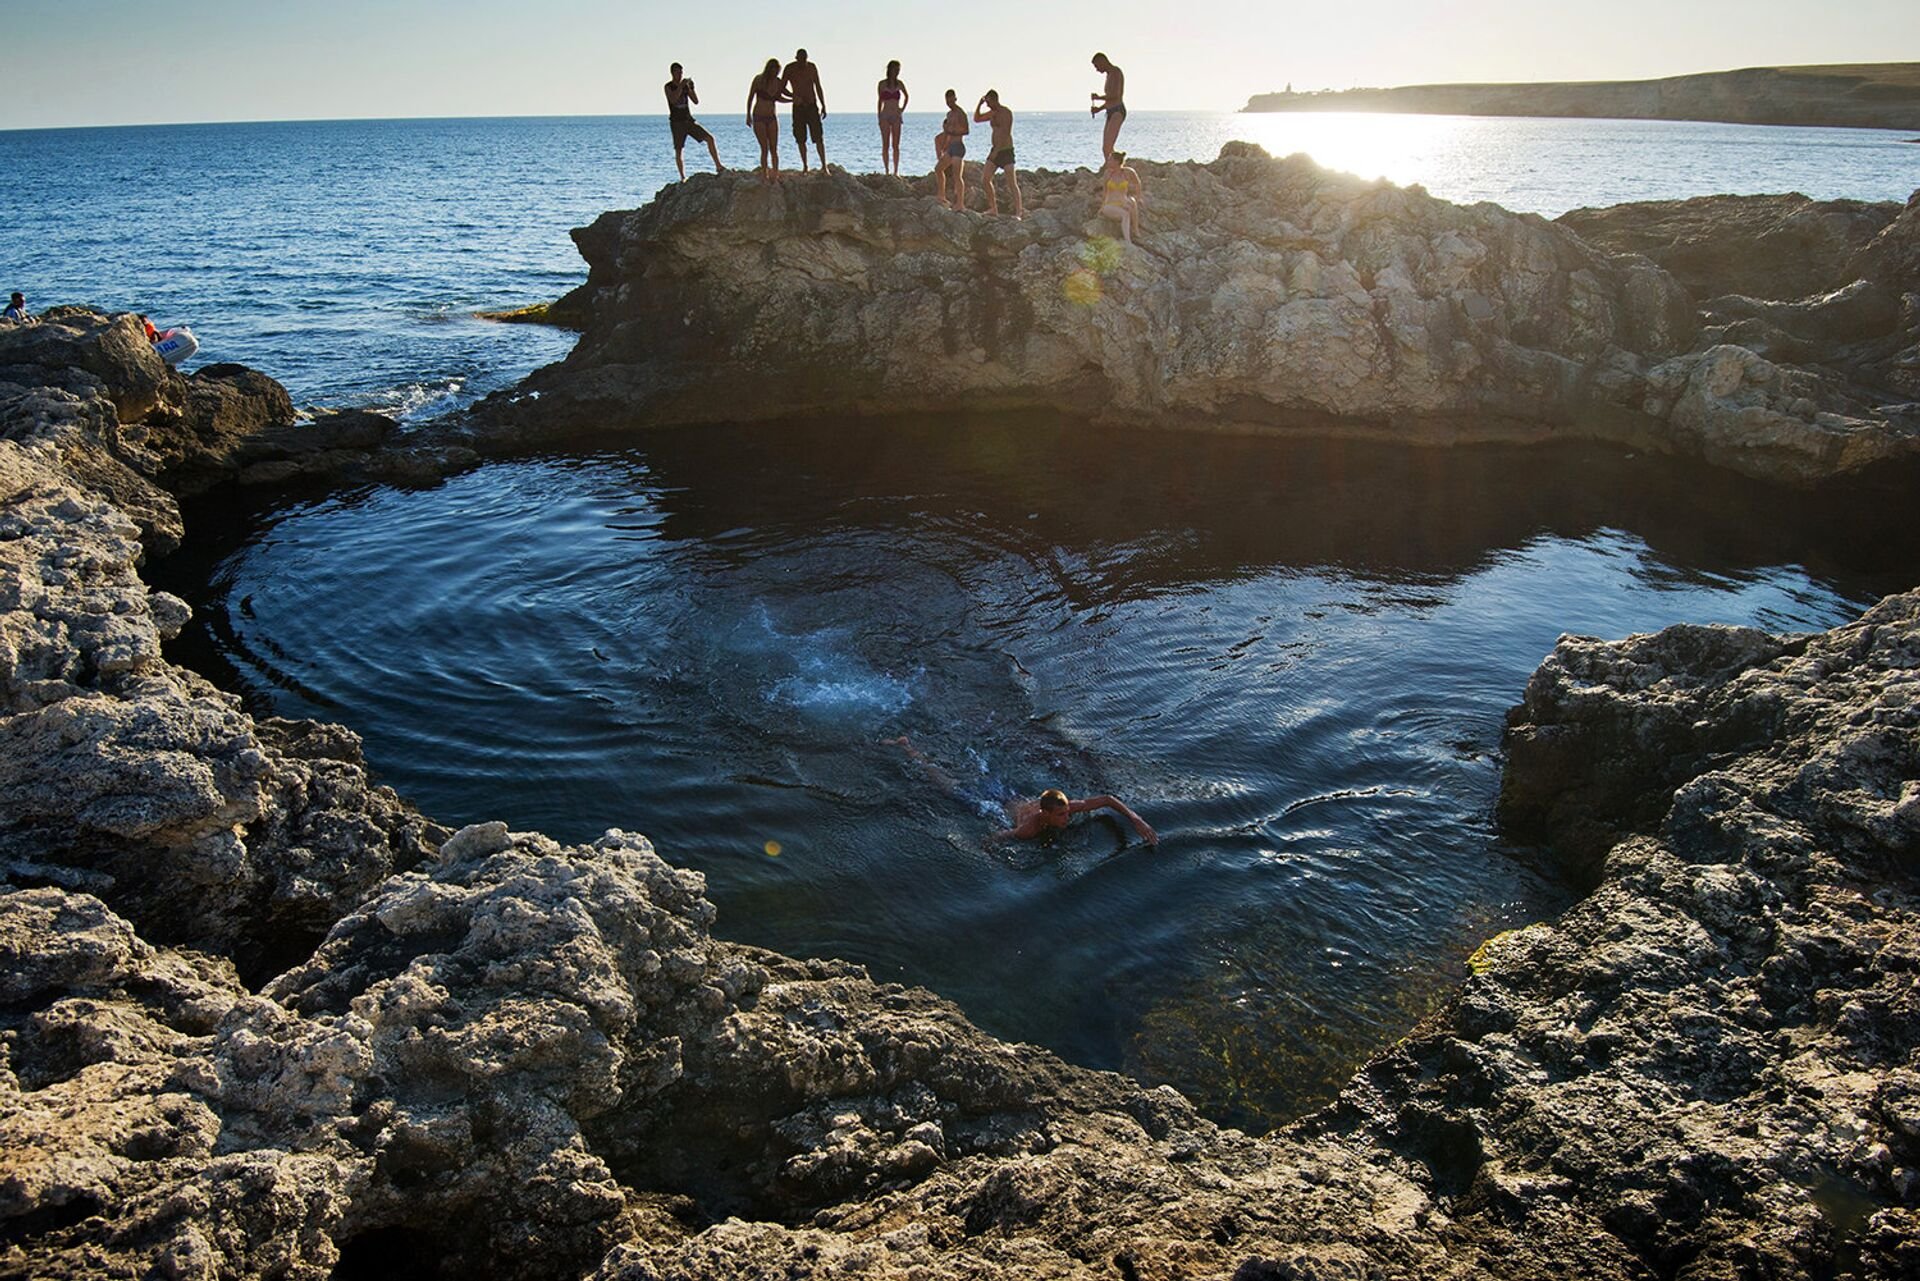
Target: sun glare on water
1400	148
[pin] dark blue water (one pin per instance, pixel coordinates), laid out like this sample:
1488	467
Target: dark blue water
346	258
1292	660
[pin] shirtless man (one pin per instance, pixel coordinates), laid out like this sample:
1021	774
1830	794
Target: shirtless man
1054	811
1113	102
1000	154
681	99
1050	813
801	79
950	150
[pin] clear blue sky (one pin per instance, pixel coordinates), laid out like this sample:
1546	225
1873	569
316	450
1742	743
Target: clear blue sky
83	62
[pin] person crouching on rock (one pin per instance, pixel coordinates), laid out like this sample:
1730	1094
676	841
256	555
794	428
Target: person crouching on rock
16	312
1121	194
1054	810
681	100
763	117
951	148
989	111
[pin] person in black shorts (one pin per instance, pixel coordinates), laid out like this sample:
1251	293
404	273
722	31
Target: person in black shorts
991	112
680	103
1113	102
802	81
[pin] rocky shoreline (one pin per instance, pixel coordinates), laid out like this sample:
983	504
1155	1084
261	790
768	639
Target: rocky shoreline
1268	296
260	1017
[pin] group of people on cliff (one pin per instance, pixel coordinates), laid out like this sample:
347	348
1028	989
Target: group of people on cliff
799	83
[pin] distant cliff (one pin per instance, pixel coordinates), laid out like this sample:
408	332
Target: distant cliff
1883	96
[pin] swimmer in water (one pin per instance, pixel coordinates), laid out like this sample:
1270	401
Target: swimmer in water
1054	810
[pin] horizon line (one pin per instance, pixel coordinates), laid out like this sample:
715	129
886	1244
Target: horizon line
546	115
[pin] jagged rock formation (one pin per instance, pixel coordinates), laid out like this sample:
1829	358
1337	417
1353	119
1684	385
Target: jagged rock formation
1774	247
509	1058
140	431
1832	286
1268	296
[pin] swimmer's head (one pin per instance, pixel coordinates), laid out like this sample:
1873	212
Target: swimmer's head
675	69
1100	62
893	69
1053	800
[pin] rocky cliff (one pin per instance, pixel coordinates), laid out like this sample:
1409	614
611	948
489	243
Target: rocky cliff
258	1017
1266	296
1870	96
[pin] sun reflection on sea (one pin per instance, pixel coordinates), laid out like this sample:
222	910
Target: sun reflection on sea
1400	148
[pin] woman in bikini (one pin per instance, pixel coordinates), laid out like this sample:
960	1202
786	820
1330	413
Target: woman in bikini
892	105
762	97
1121	195
951	148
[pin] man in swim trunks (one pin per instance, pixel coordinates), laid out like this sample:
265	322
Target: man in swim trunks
1113	102
1000	154
1054	810
950	150
680	102
801	79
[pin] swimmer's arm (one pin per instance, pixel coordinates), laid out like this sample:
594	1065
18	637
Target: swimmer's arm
1147	834
982	112
692	95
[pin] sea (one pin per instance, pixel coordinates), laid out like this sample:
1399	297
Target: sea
819	662
347	258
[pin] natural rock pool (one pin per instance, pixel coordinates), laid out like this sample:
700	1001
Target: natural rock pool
1293	660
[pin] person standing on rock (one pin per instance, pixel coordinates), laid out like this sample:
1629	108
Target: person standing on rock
763	118
990	111
892	106
1113	102
16	312
950	148
1121	194
681	99
802	82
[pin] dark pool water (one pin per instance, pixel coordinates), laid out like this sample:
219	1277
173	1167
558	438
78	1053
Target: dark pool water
1293	660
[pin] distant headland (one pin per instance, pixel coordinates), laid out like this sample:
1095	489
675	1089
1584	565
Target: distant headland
1869	96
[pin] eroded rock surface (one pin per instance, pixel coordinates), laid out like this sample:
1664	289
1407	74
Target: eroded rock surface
1775	247
257	1018
1266	295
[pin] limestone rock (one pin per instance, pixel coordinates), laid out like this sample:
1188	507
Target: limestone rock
1768	247
1265	296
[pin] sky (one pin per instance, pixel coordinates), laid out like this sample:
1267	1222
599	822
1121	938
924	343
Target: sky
95	62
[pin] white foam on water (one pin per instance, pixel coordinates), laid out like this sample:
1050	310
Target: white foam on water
828	678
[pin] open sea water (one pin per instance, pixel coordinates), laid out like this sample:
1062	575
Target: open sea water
346	258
